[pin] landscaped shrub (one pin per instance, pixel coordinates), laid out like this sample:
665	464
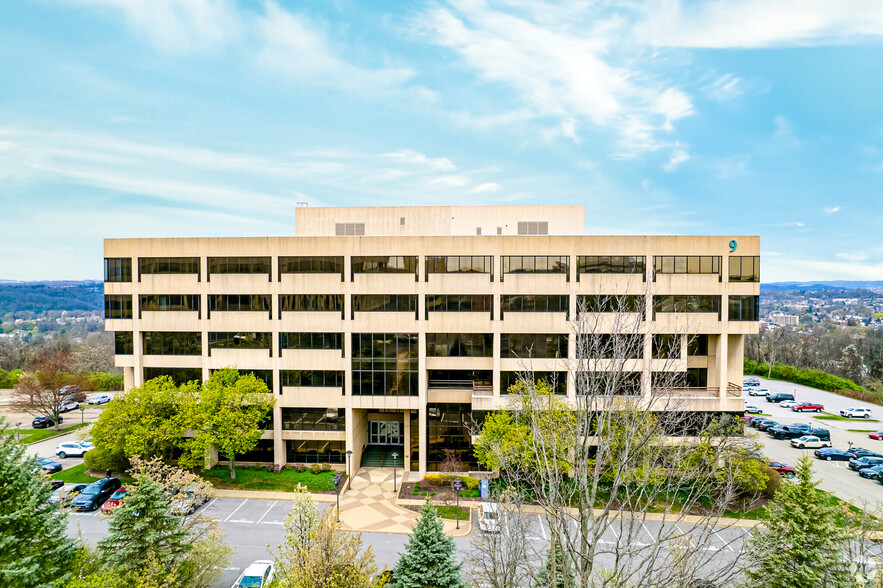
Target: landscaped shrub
274	468
103	382
326	467
774	483
316	468
438	480
98	459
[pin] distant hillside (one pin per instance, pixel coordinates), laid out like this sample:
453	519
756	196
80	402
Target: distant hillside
42	296
832	285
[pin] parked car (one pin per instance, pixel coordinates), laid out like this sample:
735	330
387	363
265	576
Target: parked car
872	473
752	421
187	501
808	407
877	435
783	469
73	393
779	397
766	424
100	399
751	409
856	413
71	448
809	442
68	406
867	461
758	392
64	495
94	495
831	454
862	452
115	500
48	466
257	575
44	421
795	431
788	403
488	517
750	382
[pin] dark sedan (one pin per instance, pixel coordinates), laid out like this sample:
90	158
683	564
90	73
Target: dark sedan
862	452
831	454
94	495
767	424
44	421
64	495
872	473
48	466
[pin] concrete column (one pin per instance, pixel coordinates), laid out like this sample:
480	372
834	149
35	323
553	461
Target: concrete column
279	457
722	360
406	463
423	433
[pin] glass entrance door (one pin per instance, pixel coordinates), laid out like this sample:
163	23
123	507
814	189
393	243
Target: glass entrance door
384	433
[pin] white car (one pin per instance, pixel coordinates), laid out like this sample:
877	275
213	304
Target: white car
758	392
856	413
257	575
100	399
788	403
751	382
751	409
809	442
68	406
488	517
72	449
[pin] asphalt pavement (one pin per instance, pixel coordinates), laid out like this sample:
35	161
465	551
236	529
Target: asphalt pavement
834	476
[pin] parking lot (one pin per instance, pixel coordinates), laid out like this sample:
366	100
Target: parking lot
834	476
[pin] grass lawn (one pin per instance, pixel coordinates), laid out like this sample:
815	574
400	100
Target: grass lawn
450	512
863	430
78	475
836	417
33	435
258	478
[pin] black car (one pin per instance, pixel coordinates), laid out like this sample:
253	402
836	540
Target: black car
777	398
862	452
764	425
872	473
48	466
94	495
44	421
831	454
787	432
860	463
755	420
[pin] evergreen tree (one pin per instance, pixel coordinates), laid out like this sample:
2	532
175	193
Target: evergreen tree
800	543
35	551
556	569
143	530
428	561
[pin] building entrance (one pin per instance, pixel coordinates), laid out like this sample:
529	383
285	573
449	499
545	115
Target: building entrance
384	433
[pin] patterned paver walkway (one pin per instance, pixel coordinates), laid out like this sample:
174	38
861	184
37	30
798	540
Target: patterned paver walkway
369	505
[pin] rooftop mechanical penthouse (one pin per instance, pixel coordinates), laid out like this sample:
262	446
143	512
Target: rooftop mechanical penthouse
386	330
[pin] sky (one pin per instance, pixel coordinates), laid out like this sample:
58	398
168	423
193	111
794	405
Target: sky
178	118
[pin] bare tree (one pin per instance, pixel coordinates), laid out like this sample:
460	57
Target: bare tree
500	557
620	469
42	390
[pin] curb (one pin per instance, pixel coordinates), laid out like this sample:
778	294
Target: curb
269	495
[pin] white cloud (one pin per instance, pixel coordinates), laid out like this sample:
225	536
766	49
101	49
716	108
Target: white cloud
725	87
785	268
409	156
856	256
296	47
832	209
485	187
565	64
178	25
758	23
678	157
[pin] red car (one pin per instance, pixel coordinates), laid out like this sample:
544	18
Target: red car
115	501
783	469
807	406
878	435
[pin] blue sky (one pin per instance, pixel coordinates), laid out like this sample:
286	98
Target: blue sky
214	117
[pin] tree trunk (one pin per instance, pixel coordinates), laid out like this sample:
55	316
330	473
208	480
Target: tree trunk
231	463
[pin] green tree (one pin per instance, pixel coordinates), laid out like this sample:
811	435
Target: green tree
144	528
34	548
226	412
42	390
800	543
145	421
299	524
428	561
557	571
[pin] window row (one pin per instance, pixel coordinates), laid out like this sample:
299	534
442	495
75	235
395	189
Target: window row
310	341
459	303
525	345
240	341
534	303
687	303
169	302
741	268
314	378
313	419
459	345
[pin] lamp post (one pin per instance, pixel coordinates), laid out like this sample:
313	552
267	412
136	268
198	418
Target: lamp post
458	485
395	456
82	415
349	476
18	431
337	478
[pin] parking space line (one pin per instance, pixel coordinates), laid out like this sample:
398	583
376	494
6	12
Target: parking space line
209	505
542	529
234	512
268	512
724	543
646	530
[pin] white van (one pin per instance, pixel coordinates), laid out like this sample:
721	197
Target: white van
488	517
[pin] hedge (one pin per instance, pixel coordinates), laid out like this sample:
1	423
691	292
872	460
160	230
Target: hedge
812	378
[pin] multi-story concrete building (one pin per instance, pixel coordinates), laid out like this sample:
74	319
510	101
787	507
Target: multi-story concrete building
392	327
